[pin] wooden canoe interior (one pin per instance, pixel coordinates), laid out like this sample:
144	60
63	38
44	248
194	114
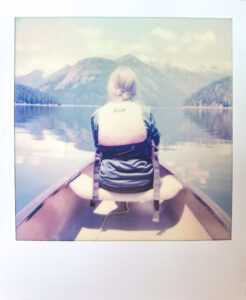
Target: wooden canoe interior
65	216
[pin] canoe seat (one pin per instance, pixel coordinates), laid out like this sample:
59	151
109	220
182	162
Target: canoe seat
82	186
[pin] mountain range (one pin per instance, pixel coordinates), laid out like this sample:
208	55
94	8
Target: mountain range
86	81
33	79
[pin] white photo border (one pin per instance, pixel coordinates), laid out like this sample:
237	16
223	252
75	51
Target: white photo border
122	270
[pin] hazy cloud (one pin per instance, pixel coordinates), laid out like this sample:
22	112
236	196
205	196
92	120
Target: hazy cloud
207	36
173	49
200	41
195	42
19	47
167	35
90	32
138	48
52	43
28	47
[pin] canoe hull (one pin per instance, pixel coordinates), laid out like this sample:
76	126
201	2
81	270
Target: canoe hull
63	215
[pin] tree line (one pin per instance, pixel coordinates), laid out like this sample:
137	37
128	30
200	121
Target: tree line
217	94
28	95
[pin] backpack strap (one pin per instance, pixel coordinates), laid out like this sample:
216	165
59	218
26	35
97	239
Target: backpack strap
95	179
156	182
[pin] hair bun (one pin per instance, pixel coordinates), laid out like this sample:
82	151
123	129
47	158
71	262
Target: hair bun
125	96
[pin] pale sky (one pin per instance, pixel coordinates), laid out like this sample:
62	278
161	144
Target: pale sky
49	44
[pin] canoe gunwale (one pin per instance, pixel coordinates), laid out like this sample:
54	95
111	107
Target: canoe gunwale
214	209
219	214
37	202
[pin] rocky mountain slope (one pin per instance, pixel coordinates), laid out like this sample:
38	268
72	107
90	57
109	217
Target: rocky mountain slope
33	79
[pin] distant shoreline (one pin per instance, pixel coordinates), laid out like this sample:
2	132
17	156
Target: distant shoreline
207	107
57	105
92	105
27	104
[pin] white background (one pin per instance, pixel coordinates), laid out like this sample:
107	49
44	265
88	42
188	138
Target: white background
122	270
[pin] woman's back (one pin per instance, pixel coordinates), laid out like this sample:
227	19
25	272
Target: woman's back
123	133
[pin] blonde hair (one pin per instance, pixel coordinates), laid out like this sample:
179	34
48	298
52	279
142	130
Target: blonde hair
122	85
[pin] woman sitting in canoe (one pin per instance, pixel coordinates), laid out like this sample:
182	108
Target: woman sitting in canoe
123	132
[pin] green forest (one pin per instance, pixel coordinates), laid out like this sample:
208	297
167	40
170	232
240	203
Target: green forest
28	95
216	94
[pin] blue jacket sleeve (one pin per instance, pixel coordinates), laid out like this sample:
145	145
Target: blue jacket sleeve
94	127
150	124
155	135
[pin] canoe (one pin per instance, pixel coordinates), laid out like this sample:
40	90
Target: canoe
63	213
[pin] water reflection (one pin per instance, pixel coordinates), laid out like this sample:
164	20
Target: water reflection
41	163
207	126
209	168
51	141
217	122
70	124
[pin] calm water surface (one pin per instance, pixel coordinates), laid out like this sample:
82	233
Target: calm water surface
51	142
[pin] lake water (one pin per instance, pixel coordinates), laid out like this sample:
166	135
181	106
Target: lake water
50	142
